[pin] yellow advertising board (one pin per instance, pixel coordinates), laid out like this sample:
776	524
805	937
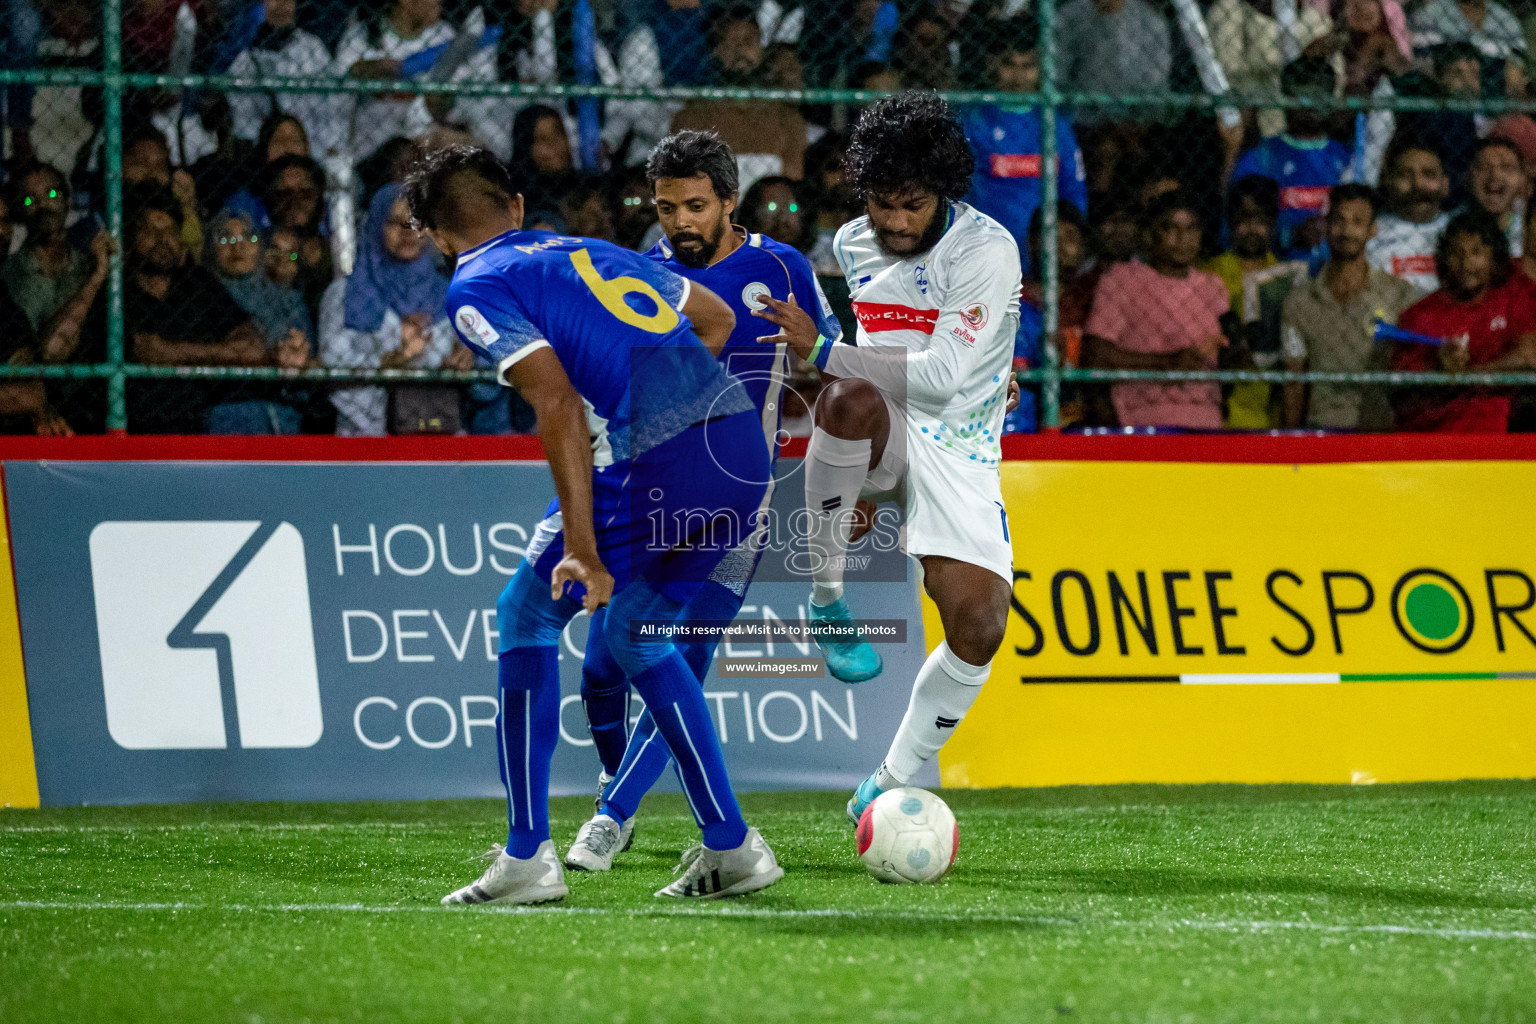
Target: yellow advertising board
1227	622
18	769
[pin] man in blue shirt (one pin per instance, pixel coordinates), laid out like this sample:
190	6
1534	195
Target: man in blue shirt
1304	162
693	181
1006	183
644	431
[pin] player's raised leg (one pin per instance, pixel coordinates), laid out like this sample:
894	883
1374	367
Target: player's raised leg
973	606
526	870
849	439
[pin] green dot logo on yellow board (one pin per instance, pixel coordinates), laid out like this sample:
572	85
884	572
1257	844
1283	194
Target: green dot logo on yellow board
1432	611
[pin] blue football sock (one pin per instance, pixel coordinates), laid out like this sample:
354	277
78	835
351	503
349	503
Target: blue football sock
675	699
528	727
713	601
645	759
672	694
605	697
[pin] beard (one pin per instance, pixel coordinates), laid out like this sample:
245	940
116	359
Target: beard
702	256
1467	290
1346	252
46	225
161	260
1417	197
925	241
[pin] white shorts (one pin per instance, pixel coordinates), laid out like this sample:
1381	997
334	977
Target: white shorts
953	509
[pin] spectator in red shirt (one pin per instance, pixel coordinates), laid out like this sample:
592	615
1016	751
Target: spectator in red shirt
1486	312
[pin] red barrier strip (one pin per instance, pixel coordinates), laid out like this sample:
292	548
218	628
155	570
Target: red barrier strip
300	448
1271	448
1038	447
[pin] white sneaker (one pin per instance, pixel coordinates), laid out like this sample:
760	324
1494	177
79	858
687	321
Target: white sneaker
713	874
603	778
596	843
626	833
510	880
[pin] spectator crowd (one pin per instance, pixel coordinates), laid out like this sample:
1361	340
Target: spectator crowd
266	228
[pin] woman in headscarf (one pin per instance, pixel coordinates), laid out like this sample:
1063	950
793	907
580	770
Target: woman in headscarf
388	313
236	257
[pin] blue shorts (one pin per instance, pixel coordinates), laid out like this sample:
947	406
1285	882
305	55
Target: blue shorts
670	515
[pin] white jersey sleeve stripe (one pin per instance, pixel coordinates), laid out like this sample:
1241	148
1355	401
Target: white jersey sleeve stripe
511	360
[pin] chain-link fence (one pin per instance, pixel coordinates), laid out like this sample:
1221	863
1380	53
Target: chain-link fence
1234	214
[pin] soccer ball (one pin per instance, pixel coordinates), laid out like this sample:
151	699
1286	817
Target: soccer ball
908	835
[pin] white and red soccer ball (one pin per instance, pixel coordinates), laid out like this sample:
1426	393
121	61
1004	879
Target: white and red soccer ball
907	836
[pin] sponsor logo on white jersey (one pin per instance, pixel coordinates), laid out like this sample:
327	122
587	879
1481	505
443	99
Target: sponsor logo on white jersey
974	315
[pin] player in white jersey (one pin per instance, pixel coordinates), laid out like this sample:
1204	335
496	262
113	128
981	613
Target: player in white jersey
914	412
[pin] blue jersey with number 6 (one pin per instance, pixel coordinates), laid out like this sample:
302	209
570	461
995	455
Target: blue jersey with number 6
611	316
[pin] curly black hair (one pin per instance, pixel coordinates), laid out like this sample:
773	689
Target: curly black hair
1478	224
909	142
688	154
441	184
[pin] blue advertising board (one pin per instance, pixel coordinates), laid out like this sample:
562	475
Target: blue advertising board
327	631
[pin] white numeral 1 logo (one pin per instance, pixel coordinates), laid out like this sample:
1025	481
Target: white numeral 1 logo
205	635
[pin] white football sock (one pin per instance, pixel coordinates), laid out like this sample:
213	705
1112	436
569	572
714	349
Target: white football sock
945	690
835	469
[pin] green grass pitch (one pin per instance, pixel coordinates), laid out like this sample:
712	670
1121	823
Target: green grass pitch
1212	903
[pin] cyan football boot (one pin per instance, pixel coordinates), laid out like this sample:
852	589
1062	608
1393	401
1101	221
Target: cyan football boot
862	798
853	660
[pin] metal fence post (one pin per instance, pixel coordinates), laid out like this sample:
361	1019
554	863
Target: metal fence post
1050	387
112	179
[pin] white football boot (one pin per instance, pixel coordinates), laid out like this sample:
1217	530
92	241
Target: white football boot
596	843
511	880
626	832
705	874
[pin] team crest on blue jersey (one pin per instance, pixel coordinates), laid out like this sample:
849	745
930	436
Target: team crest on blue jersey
473	325
752	295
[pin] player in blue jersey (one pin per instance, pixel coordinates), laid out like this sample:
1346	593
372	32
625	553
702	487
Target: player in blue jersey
693	182
657	457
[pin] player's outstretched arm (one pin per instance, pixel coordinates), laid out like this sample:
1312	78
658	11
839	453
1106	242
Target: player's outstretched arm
712	319
973	297
562	425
